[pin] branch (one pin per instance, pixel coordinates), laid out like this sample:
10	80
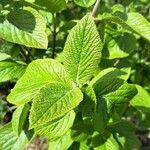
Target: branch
95	8
54	35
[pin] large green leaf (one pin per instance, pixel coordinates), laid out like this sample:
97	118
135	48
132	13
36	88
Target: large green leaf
19	118
24	26
82	51
85	3
139	24
141	100
122	95
57	128
10	70
51	5
107	80
38	74
62	143
10	141
53	100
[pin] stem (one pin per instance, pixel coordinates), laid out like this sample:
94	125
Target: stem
95	8
54	36
117	62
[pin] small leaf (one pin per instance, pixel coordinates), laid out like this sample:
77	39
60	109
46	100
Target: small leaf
53	100
57	128
85	3
121	46
38	74
19	118
82	51
30	33
10	70
4	56
89	105
141	100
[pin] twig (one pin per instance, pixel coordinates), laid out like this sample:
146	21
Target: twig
54	36
95	8
116	62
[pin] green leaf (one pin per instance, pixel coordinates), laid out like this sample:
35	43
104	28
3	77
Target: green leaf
57	128
4	56
107	80
51	5
109	144
10	70
102	115
127	136
7	137
85	3
122	95
89	105
37	75
135	22
121	46
10	141
62	143
82	51
139	24
141	100
22	141
19	118
25	26
53	100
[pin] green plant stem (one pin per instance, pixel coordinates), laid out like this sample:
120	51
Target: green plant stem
95	8
54	36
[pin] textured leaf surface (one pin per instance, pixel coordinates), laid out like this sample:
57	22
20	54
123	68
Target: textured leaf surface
10	141
11	70
85	3
107	80
38	74
7	137
62	143
123	94
25	26
19	117
82	51
141	100
53	101
51	5
57	128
